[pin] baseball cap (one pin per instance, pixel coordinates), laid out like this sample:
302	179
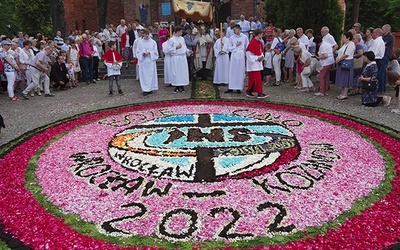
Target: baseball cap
5	42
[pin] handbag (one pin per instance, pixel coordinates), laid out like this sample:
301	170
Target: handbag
345	66
369	86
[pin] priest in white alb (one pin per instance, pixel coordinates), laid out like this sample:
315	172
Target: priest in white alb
179	67
134	46
167	62
237	46
147	54
203	62
221	50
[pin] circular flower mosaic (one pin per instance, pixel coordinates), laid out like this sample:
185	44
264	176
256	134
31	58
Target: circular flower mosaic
203	175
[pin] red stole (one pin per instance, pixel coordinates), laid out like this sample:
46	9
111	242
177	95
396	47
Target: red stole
109	57
255	46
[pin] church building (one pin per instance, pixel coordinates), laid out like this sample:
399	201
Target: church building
89	14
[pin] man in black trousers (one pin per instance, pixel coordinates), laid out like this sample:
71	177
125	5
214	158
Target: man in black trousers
59	74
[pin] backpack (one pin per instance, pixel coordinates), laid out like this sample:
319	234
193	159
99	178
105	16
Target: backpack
280	46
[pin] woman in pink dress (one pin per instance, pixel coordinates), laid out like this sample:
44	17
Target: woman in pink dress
162	34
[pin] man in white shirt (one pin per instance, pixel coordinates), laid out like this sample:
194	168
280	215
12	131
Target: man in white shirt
302	37
378	47
311	44
106	35
253	24
244	25
120	29
138	25
328	38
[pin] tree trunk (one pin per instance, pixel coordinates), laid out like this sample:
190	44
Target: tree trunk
356	10
102	13
57	17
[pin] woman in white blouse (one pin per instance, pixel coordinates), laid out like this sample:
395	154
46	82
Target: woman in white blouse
345	65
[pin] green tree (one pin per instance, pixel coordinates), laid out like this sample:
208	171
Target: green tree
290	14
374	13
27	16
9	25
34	16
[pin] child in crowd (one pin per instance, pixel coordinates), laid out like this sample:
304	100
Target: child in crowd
70	67
267	63
113	61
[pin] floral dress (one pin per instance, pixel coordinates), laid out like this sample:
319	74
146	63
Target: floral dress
74	54
367	97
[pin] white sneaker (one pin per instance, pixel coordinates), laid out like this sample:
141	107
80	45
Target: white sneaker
396	111
319	94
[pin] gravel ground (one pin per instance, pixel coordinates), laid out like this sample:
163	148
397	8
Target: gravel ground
25	115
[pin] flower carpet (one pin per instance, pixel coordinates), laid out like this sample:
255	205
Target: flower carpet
205	89
203	175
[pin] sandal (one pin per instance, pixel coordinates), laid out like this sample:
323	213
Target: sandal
342	97
14	98
276	84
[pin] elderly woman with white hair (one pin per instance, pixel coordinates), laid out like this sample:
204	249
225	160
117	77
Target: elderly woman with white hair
309	65
289	57
26	57
299	66
358	63
10	67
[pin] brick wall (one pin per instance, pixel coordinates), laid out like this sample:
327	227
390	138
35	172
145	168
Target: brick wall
82	14
115	12
79	15
242	7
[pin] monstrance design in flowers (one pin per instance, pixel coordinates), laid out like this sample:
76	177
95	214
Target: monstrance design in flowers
205	147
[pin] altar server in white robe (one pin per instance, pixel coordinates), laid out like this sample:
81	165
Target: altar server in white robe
237	46
179	67
147	54
167	62
134	46
221	50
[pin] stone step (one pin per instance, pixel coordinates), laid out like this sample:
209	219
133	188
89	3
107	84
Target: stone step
130	73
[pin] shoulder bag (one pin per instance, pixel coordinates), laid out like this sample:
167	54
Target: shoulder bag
369	86
343	64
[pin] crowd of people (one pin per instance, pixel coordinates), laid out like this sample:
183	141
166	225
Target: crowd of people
246	48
